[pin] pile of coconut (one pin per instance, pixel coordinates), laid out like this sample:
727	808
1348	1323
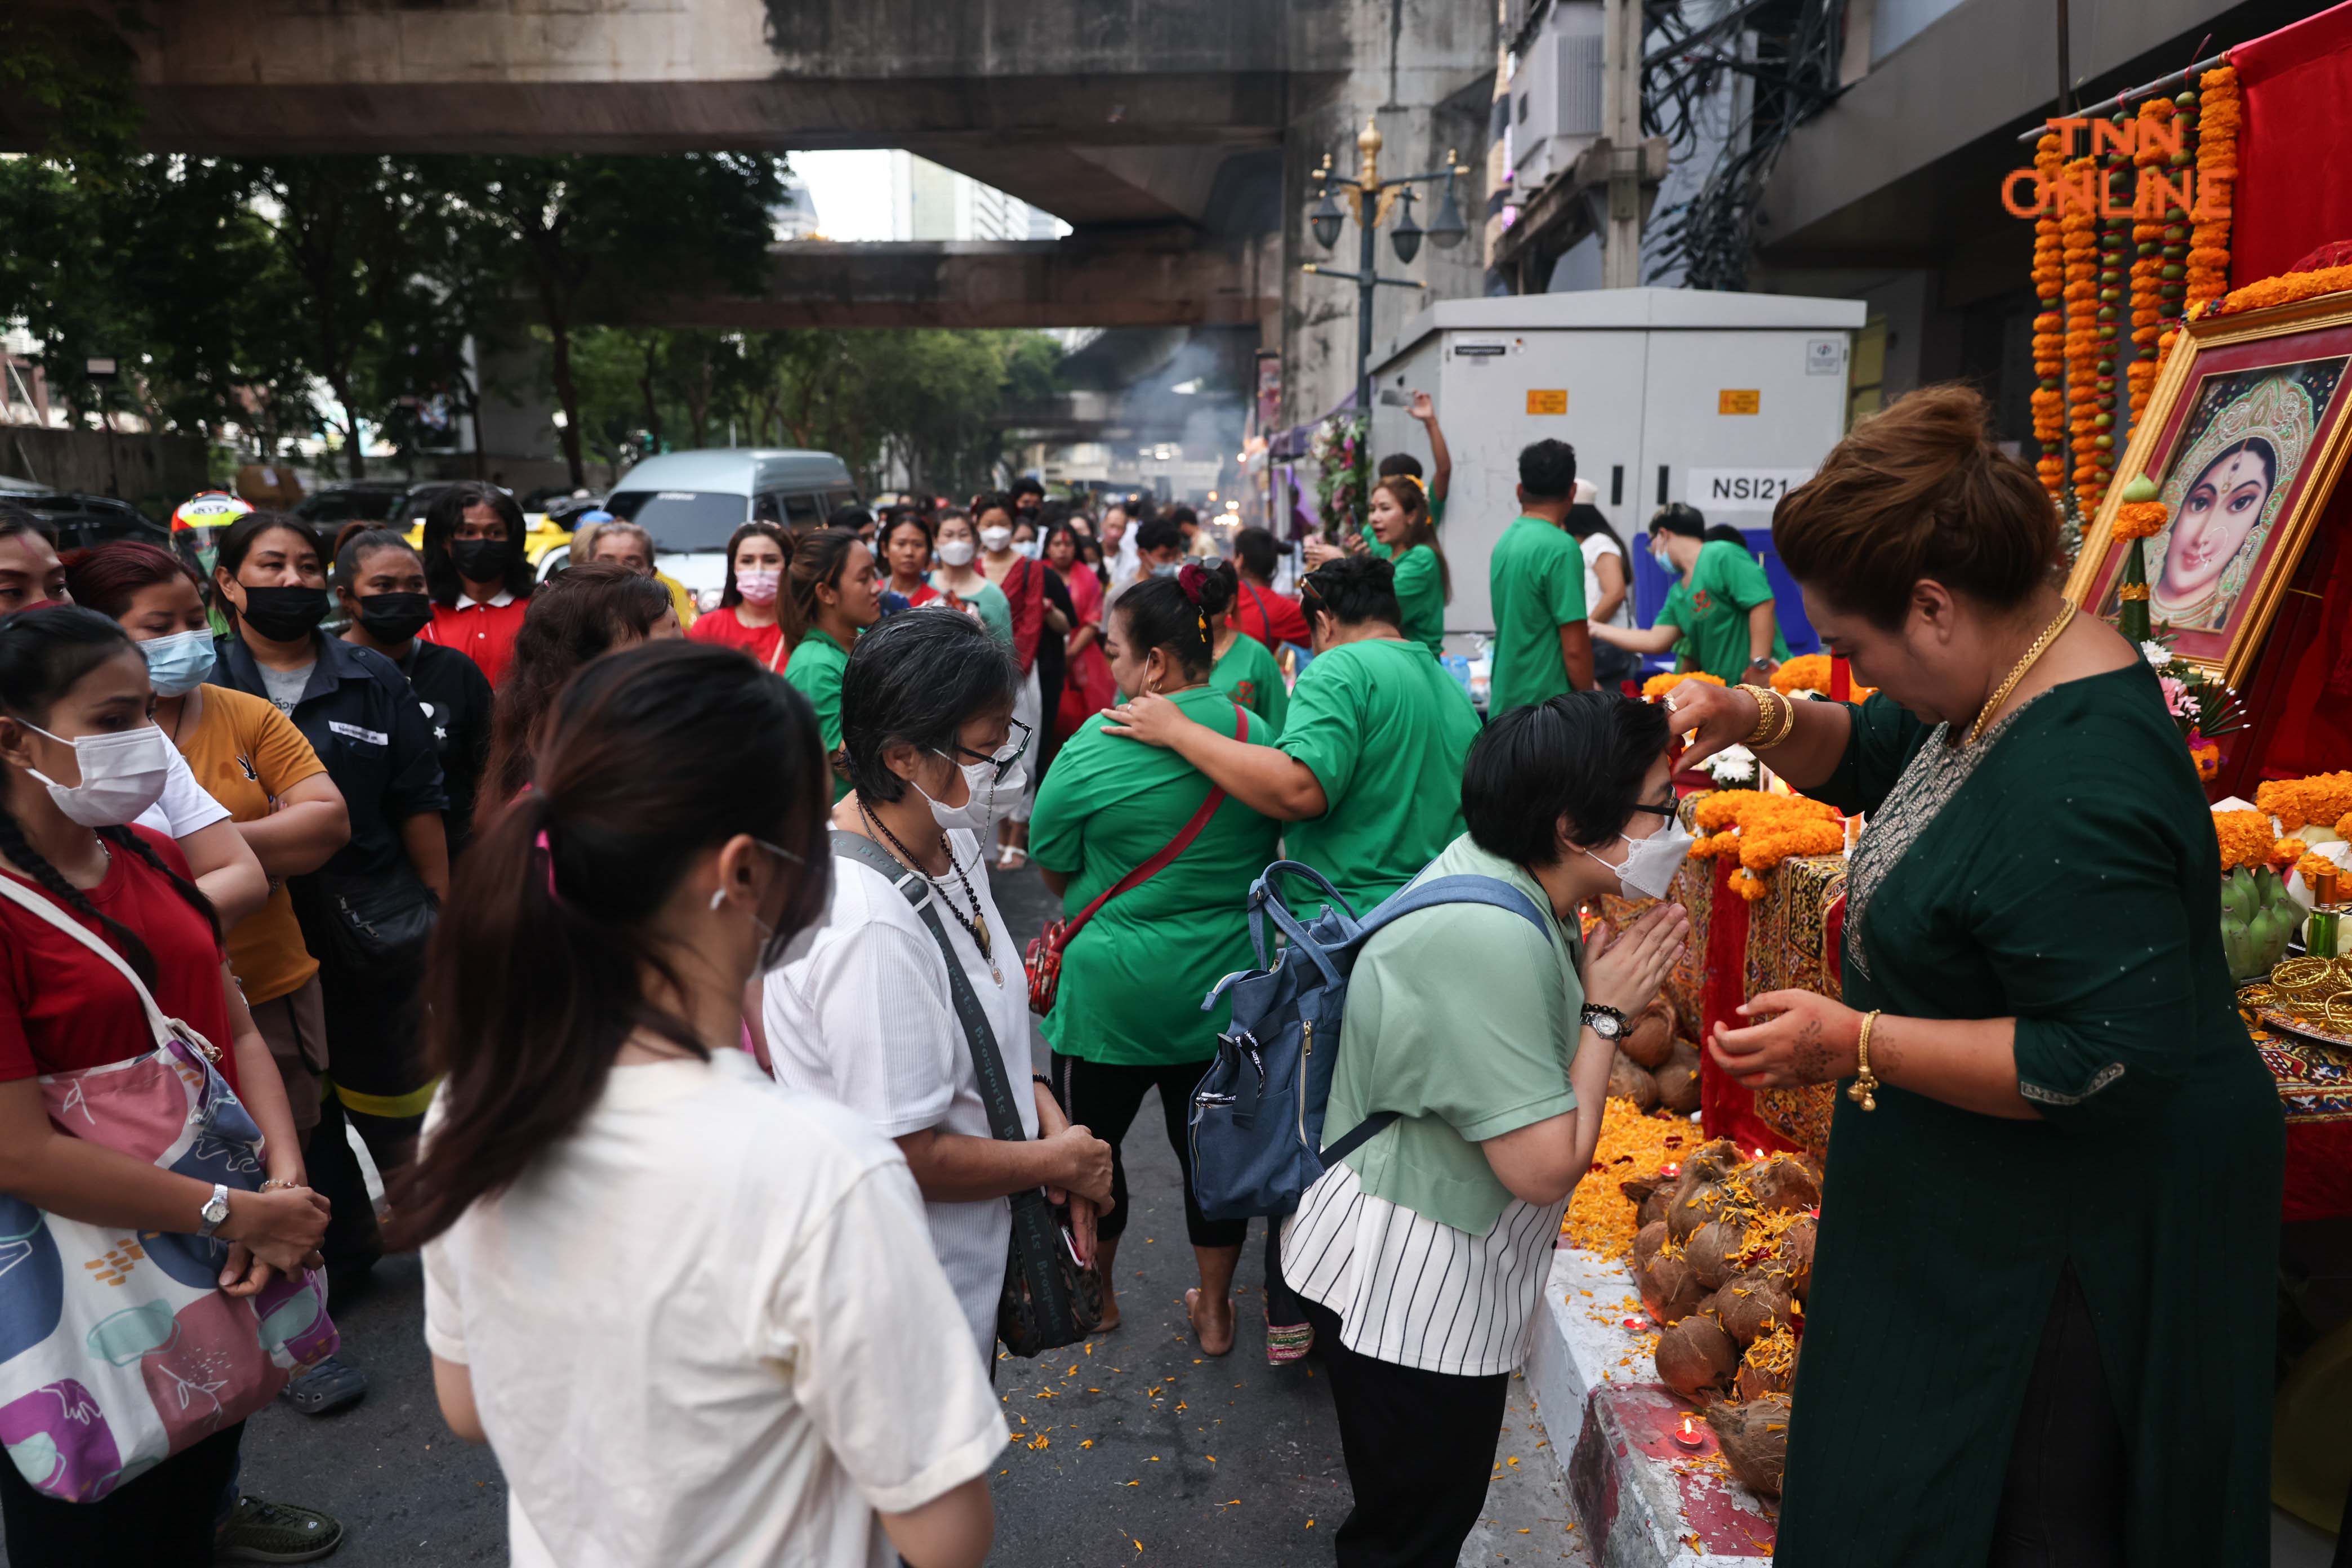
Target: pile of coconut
1724	1259
1654	1065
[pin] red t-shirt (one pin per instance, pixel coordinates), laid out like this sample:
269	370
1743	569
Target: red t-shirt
1273	618
62	1008
765	644
483	633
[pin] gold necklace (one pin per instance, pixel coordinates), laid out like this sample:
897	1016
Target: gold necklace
2017	673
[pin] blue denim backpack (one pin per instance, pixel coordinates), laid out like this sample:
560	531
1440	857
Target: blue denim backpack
1257	1116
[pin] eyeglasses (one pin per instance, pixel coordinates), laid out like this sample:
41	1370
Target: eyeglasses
1666	810
1004	762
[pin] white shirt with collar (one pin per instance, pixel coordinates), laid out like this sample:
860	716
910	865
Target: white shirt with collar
497	600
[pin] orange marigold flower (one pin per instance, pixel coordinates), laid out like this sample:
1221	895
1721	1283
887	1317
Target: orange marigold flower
2245	837
2140	520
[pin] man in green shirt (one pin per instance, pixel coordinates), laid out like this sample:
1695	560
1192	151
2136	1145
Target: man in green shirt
1722	617
1368	768
1543	646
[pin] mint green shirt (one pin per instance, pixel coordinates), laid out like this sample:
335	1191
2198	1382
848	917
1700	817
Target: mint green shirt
1247	673
1464	1019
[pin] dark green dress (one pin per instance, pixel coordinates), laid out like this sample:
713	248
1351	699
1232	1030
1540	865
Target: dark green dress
2062	871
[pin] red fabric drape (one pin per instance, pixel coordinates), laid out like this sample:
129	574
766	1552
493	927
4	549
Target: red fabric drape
2290	199
2299	697
1726	1109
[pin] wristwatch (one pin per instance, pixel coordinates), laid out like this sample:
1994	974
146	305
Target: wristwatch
1606	1021
216	1213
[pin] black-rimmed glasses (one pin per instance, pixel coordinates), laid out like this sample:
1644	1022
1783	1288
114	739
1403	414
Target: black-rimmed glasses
1004	762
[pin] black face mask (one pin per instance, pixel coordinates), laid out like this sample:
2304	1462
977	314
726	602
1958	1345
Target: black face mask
394	617
284	614
482	560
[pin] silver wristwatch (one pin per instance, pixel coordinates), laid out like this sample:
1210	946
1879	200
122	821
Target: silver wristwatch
216	1213
1606	1021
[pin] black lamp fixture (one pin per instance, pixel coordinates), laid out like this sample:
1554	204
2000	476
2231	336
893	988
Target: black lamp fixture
1326	217
1406	235
1448	230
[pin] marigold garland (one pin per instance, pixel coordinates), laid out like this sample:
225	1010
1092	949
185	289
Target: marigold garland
2312	867
1811	672
2148	264
2050	326
2245	837
2139	519
1762	830
1657	686
2286	852
2078	231
2289	288
2322	798
2215	113
2107	424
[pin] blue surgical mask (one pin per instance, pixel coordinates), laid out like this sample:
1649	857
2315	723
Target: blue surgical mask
178	664
1659	554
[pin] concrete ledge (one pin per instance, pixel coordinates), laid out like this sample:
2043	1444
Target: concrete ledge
1643	1502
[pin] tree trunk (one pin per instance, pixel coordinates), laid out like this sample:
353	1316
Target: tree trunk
354	460
653	406
567	394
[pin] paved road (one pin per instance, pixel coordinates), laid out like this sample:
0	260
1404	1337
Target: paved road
1141	1451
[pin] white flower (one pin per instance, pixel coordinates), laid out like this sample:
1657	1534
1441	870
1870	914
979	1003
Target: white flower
2156	653
1731	764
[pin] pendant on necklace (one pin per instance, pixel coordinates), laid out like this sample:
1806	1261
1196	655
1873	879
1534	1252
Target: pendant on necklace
980	928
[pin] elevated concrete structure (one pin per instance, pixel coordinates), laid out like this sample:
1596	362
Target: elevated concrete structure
1204	119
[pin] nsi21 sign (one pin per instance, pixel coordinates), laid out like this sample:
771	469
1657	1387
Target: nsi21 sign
1742	490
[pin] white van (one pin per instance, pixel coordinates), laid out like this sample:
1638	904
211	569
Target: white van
689	502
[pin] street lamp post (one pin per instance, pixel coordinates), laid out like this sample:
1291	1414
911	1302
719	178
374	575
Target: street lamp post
1371	198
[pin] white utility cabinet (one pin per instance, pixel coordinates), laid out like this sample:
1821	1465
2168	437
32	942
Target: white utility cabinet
1725	401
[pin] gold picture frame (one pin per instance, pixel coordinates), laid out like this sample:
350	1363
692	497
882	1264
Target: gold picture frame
2228	651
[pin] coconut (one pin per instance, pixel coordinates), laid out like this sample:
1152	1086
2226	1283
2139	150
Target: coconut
1651	1237
1678	1079
1714	1161
1639	1188
1651	1040
1755	1440
1752	1304
1783	1182
1694	1208
1796	1255
1696	1354
1669	1288
1714	1251
1653	1208
1628	1080
1770	1366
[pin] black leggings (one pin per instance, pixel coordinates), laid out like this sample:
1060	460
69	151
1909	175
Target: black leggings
164	1519
2061	1503
1104	1097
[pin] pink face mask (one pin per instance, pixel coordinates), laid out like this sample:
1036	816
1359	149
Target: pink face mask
758	587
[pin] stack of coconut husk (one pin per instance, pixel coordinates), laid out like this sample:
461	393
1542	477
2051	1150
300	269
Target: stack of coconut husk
1655	1066
1724	1259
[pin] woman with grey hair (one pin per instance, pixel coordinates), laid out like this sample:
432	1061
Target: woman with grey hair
864	1010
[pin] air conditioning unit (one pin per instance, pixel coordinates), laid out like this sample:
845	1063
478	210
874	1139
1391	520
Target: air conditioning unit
1555	98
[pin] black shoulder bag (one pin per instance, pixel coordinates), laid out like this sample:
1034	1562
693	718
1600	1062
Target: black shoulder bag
1049	1301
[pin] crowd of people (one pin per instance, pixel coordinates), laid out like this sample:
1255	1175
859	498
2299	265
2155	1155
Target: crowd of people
655	959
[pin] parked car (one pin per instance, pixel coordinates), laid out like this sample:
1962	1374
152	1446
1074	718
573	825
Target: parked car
85	522
329	510
689	502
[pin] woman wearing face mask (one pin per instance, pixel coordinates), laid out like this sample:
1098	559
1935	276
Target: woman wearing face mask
1719	614
366	912
865	1013
380	584
1087	685
634	1248
961	586
749	616
1106	810
1035	621
580	614
835	596
1423	1255
1241	667
480	579
2034	990
79	758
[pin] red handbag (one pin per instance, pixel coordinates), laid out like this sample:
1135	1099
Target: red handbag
1044	958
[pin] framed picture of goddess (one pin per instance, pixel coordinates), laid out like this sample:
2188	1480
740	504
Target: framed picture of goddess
2243	436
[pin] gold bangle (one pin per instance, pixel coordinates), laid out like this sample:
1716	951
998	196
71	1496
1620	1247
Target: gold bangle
1767	714
1788	720
1862	1090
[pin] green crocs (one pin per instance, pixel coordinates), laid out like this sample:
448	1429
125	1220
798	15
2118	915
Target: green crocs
261	1531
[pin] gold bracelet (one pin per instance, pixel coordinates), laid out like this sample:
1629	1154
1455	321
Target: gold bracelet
1788	720
1767	713
1862	1090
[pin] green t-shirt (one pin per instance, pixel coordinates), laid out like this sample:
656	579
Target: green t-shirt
1132	981
1536	577
1420	598
1385	730
1725	583
994	609
815	671
1248	673
1463	1020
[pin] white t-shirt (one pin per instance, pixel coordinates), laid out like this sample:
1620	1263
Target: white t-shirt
186	806
1595	545
704	1329
860	1012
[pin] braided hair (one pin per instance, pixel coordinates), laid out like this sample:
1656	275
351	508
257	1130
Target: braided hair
44	654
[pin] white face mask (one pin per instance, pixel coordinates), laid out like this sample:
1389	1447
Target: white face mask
955	551
1651	863
995	539
1030	550
122	775
986	797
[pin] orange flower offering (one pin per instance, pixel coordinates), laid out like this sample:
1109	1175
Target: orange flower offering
2311	867
2078	233
2290	288
2049	329
2245	837
2147	267
2286	852
1657	686
1811	672
2322	798
2140	519
1761	830
1598	1219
